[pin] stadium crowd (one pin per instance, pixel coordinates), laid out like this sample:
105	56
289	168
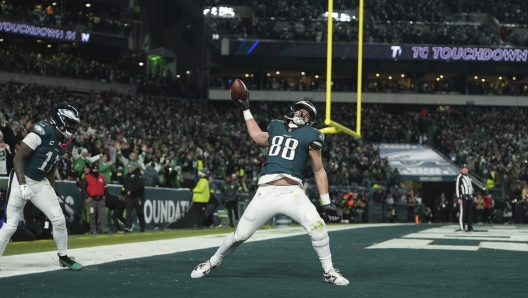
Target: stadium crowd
402	21
430	11
173	137
395	32
77	16
31	61
379	85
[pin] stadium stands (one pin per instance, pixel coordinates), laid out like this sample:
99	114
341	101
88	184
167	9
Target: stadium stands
403	21
463	134
44	62
76	15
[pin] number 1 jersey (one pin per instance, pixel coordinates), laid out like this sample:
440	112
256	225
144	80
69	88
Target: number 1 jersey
288	148
45	155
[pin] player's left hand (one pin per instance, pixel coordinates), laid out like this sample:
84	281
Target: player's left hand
331	212
27	193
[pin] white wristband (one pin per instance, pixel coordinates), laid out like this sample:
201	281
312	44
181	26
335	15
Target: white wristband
247	115
325	199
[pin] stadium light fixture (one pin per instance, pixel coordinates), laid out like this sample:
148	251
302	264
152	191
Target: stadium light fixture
441	76
377	75
514	78
402	75
188	72
390	77
88	5
277	72
54	3
500	78
316	76
437	79
268	74
177	76
302	73
49	46
476	78
140	63
1	40
338	16
247	75
220	12
483	80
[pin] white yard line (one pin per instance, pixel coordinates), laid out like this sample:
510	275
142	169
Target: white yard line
48	261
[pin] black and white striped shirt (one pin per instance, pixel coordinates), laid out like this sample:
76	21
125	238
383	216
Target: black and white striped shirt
463	186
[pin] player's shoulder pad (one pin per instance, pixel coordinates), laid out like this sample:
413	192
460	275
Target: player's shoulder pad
274	123
318	137
40	128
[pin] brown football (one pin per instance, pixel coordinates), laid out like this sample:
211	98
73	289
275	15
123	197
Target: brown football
238	91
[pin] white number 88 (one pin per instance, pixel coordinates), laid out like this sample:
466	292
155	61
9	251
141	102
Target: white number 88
289	147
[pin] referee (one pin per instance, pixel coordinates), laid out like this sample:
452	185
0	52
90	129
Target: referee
464	193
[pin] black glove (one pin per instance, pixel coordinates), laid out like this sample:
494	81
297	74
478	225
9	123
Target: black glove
244	105
331	212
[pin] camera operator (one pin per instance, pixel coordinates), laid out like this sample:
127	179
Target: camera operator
134	189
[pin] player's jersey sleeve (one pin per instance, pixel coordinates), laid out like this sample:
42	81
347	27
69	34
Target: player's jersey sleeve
317	139
32	140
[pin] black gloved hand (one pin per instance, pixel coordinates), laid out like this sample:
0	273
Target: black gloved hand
244	105
331	212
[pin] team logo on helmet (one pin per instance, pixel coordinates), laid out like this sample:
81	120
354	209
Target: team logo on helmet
299	120
66	120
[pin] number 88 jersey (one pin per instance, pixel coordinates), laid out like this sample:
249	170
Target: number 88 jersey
47	151
288	148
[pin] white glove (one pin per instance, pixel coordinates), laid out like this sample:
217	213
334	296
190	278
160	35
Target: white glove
27	193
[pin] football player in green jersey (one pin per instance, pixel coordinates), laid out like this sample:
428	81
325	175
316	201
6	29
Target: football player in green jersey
291	144
33	178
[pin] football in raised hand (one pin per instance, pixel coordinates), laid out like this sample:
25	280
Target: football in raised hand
238	91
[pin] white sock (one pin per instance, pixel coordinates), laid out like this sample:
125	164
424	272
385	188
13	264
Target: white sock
60	235
327	263
227	247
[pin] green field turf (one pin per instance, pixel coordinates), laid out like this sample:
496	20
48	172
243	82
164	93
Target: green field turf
288	267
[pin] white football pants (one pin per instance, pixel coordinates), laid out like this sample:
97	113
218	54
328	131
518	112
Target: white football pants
45	199
270	200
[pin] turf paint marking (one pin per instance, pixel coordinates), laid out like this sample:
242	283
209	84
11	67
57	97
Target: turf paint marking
489	237
48	261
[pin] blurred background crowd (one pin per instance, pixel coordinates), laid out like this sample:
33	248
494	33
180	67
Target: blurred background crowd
175	138
161	120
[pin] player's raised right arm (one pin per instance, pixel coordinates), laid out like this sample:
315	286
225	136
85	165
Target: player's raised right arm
23	153
256	134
